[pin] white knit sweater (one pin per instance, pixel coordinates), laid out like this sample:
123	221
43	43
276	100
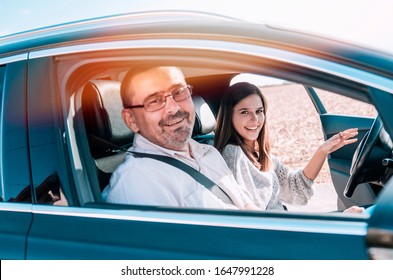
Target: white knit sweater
269	189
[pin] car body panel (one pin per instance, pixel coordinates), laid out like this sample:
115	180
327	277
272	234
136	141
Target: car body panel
63	58
99	234
16	217
380	228
15	221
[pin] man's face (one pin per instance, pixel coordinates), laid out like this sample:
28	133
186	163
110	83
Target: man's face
169	127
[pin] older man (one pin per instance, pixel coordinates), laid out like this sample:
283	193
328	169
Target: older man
158	108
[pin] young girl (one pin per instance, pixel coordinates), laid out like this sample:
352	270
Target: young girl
242	138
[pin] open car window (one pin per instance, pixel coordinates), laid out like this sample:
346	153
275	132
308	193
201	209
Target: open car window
209	83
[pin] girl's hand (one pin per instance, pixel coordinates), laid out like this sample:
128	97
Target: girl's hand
354	209
339	140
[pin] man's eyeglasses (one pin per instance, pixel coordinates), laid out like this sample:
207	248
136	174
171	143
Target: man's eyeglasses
157	102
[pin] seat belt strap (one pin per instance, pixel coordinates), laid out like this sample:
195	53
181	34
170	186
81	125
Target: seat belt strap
198	176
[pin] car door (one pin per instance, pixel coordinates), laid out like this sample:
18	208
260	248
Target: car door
86	229
126	232
15	186
78	230
380	229
340	160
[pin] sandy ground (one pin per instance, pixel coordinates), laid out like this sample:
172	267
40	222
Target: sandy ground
295	131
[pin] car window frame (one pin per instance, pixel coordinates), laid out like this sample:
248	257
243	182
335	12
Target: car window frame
83	55
73	55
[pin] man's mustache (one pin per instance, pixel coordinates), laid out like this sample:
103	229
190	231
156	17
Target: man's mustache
178	115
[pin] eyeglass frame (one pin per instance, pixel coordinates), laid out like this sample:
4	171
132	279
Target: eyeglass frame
164	96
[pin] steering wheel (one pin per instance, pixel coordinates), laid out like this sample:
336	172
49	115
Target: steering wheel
362	156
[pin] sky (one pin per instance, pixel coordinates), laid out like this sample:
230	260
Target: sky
364	22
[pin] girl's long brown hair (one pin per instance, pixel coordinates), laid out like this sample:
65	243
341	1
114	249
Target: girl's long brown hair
226	134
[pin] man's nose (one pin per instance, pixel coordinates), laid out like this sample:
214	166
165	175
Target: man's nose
171	105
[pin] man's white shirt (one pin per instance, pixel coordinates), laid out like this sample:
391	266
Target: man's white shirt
146	181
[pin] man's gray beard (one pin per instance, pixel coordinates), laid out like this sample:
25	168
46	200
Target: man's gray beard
180	139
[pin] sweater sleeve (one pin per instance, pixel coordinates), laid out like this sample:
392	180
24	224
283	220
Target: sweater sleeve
295	187
258	184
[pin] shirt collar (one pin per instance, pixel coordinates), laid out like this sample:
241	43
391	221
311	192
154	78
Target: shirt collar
141	144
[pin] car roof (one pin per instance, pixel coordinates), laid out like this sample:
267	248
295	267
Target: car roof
101	27
186	24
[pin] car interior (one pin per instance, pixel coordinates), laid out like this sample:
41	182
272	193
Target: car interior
102	138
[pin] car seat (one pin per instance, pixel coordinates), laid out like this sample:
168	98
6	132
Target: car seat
109	137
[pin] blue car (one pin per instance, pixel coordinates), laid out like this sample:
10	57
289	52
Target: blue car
60	124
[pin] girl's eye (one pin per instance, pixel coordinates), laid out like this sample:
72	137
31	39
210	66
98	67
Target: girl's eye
244	112
260	111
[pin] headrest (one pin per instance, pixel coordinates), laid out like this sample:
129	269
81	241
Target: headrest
102	106
205	121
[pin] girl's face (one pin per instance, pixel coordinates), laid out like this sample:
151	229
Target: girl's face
248	118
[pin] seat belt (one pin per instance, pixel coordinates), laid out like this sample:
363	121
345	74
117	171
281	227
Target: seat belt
198	176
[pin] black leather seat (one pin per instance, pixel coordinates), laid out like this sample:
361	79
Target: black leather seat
107	134
101	107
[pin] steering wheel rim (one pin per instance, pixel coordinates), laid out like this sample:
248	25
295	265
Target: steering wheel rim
361	156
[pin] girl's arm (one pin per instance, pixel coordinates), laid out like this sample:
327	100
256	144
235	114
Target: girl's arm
311	170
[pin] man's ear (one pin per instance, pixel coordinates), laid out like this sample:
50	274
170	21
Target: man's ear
129	120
